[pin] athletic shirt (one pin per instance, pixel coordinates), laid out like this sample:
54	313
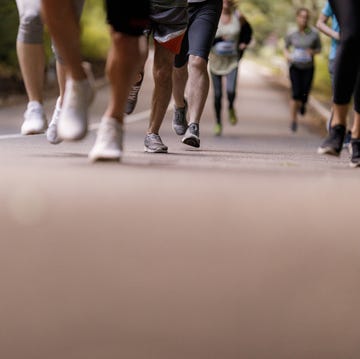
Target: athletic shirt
224	54
299	42
328	12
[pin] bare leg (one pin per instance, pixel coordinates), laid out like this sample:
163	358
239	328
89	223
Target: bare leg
180	77
162	72
62	21
126	56
340	114
355	132
32	63
198	87
61	77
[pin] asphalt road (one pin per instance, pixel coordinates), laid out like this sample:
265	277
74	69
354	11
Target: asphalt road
246	248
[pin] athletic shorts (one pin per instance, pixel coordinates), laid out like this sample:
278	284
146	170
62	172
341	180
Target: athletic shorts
199	37
131	19
301	82
168	26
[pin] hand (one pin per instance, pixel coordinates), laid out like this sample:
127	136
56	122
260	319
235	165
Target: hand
336	36
242	46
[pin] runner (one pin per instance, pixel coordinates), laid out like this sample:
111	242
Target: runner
334	33
229	45
127	54
169	21
190	70
31	55
346	82
301	46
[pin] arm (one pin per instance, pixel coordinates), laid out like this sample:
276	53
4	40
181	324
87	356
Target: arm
287	53
325	29
245	33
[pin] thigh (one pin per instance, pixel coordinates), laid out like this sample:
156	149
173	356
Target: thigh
132	19
203	22
348	14
28	7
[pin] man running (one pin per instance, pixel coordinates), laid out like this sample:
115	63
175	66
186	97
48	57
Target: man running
126	56
190	70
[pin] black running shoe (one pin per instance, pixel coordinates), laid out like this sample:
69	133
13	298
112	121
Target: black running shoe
333	142
355	153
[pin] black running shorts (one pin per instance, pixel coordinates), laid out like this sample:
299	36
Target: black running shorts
131	19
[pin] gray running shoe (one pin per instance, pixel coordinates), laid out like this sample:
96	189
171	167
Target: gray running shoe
191	137
133	96
154	144
180	124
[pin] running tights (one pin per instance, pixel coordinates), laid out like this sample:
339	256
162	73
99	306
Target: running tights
347	65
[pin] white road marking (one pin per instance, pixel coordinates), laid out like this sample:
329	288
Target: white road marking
136	117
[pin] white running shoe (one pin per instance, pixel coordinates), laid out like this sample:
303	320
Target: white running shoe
109	141
34	119
73	120
51	133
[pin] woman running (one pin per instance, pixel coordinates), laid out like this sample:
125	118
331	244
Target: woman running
346	81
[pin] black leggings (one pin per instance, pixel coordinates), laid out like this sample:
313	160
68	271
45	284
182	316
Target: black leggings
347	65
231	80
301	82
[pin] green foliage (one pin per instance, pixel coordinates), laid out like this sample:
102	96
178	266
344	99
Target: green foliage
8	32
95	34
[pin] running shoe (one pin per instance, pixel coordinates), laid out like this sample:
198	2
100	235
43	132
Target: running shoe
347	140
180	124
191	137
333	142
218	129
293	126
355	153
133	96
109	141
34	119
232	117
73	120
154	144
51	133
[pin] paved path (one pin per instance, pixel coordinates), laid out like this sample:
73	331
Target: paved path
246	248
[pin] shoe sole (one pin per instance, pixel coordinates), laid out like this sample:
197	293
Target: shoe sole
191	141
327	151
148	150
29	133
105	158
354	165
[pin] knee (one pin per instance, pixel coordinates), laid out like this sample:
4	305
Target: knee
31	28
197	63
